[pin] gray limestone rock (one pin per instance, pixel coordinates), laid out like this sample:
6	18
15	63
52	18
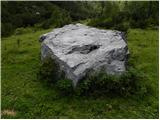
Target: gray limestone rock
80	50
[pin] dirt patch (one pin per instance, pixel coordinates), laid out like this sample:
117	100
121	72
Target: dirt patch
8	112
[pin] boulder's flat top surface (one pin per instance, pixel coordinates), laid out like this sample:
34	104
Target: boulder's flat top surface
82	48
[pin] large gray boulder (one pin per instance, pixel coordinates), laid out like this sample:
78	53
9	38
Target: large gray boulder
80	50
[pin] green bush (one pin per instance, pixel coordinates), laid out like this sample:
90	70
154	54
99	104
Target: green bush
65	86
50	71
131	82
58	18
6	29
109	24
124	26
101	22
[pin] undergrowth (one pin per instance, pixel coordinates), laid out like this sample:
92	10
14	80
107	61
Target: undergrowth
131	82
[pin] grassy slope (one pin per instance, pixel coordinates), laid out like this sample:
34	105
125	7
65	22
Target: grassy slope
28	97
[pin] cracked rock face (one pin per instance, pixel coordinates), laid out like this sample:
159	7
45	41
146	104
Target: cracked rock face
80	50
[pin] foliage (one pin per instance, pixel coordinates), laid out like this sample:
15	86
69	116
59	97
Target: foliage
109	24
142	12
79	10
102	23
132	14
58	18
50	71
23	14
7	29
124	26
65	86
119	15
129	83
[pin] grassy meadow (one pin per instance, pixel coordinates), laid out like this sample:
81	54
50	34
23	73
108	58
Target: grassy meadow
23	95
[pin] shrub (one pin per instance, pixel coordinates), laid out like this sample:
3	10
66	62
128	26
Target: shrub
124	26
109	23
139	24
131	82
101	22
58	18
46	24
50	71
7	29
65	86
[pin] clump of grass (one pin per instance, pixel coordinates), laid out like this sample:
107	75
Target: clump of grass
20	31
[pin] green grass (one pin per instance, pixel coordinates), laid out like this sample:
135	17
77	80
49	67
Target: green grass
29	97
